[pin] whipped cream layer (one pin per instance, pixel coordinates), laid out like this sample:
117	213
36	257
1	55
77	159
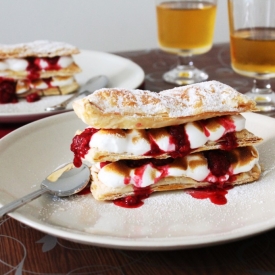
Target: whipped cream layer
23	86
153	142
22	64
201	167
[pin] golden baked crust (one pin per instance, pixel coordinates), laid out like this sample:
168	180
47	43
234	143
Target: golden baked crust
40	48
138	109
102	192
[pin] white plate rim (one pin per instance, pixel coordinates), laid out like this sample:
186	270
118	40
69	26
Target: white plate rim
139	243
135	79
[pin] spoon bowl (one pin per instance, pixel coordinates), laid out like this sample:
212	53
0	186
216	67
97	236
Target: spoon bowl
66	180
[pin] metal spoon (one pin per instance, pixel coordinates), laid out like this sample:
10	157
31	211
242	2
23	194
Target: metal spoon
65	181
95	83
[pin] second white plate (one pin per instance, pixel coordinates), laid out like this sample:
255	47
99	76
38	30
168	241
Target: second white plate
121	72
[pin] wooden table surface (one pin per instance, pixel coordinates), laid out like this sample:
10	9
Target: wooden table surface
24	250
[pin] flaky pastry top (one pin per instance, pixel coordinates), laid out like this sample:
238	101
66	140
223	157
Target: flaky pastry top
39	48
138	109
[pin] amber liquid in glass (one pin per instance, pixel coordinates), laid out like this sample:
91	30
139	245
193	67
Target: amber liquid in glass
187	26
253	50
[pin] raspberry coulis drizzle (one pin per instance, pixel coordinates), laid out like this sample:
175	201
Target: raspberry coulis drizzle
135	200
217	162
34	66
154	148
215	194
80	145
180	138
228	141
219	165
85	191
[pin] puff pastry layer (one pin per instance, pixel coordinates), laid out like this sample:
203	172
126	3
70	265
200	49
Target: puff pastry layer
138	109
40	48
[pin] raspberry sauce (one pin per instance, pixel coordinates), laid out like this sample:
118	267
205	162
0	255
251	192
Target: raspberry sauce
140	168
80	145
219	165
135	200
52	63
180	138
34	66
33	97
218	162
48	81
227	123
85	191
155	150
228	141
215	194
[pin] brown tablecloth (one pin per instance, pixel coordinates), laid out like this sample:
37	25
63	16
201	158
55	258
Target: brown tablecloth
24	250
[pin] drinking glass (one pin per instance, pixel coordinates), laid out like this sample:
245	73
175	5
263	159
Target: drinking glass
185	28
252	46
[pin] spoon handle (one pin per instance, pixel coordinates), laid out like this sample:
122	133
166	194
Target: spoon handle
21	201
94	83
63	104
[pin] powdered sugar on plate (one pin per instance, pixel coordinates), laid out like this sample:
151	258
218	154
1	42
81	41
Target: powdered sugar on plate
24	107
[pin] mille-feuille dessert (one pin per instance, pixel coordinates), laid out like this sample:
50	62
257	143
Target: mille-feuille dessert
43	67
187	137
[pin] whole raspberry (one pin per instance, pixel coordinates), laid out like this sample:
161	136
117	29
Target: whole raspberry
7	91
218	162
33	97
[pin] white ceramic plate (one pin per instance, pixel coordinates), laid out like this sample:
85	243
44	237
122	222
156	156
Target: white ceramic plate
168	220
121	72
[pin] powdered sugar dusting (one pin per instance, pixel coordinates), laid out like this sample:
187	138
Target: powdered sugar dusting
211	96
37	48
122	101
